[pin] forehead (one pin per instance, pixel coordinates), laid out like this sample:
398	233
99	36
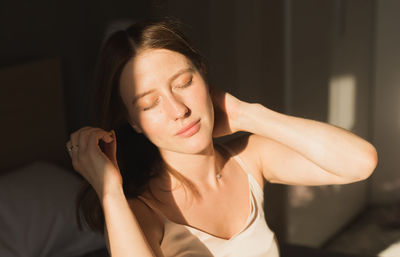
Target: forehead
150	68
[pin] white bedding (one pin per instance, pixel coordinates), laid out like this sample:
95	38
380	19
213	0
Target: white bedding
37	214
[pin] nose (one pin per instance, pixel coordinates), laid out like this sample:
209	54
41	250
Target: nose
178	108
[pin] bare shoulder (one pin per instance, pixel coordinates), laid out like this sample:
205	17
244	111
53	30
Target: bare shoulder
246	148
150	223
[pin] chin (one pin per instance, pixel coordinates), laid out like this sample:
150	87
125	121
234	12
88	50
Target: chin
195	145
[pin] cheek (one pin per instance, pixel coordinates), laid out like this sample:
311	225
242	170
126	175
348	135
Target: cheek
207	102
211	108
151	123
200	96
205	105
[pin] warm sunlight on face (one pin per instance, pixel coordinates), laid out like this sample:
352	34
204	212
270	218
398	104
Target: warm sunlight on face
164	93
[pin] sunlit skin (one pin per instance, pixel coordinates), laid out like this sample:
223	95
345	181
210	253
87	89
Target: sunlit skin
179	96
280	148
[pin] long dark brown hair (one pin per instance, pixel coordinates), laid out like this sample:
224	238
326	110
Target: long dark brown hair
139	160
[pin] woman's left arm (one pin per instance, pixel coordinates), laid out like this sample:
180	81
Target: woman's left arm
295	150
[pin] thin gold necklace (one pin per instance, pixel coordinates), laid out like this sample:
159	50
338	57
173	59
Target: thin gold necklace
219	174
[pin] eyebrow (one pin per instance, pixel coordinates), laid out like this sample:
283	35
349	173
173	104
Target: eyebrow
172	78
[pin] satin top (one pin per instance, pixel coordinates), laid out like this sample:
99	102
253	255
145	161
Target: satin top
255	239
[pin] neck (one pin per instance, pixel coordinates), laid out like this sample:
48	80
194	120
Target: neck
202	169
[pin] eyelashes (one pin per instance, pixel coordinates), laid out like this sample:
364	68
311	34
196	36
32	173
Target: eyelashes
151	106
187	84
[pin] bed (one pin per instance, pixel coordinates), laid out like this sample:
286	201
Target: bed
37	185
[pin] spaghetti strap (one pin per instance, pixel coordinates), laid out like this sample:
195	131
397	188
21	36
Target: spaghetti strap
236	157
254	239
252	180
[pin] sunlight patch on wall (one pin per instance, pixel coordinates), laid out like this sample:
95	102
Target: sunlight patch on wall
392	185
300	196
392	251
342	101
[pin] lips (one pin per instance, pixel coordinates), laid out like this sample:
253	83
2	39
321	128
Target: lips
186	128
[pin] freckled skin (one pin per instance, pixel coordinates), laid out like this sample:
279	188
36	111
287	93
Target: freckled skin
172	106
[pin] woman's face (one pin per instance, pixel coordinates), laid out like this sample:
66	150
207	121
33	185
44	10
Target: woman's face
164	93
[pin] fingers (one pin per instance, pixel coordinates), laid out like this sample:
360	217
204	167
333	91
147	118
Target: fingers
110	149
97	167
86	140
82	138
95	137
73	144
68	145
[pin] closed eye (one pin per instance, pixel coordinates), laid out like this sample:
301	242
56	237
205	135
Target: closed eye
157	101
187	83
152	105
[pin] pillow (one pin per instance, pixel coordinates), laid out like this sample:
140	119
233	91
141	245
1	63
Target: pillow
37	214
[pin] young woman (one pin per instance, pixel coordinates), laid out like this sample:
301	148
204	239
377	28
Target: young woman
179	193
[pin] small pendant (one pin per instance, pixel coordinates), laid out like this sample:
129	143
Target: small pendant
219	176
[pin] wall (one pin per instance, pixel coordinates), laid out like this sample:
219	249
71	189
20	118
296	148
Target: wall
386	132
241	42
329	69
70	30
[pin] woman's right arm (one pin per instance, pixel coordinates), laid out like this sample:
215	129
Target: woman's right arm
123	231
99	167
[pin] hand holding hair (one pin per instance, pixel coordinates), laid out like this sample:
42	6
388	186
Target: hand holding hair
227	112
93	154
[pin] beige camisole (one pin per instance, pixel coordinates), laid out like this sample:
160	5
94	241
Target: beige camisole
255	239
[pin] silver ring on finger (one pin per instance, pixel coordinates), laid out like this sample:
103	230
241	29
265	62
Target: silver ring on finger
69	148
73	148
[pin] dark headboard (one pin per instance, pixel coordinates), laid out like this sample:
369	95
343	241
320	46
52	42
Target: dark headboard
31	114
